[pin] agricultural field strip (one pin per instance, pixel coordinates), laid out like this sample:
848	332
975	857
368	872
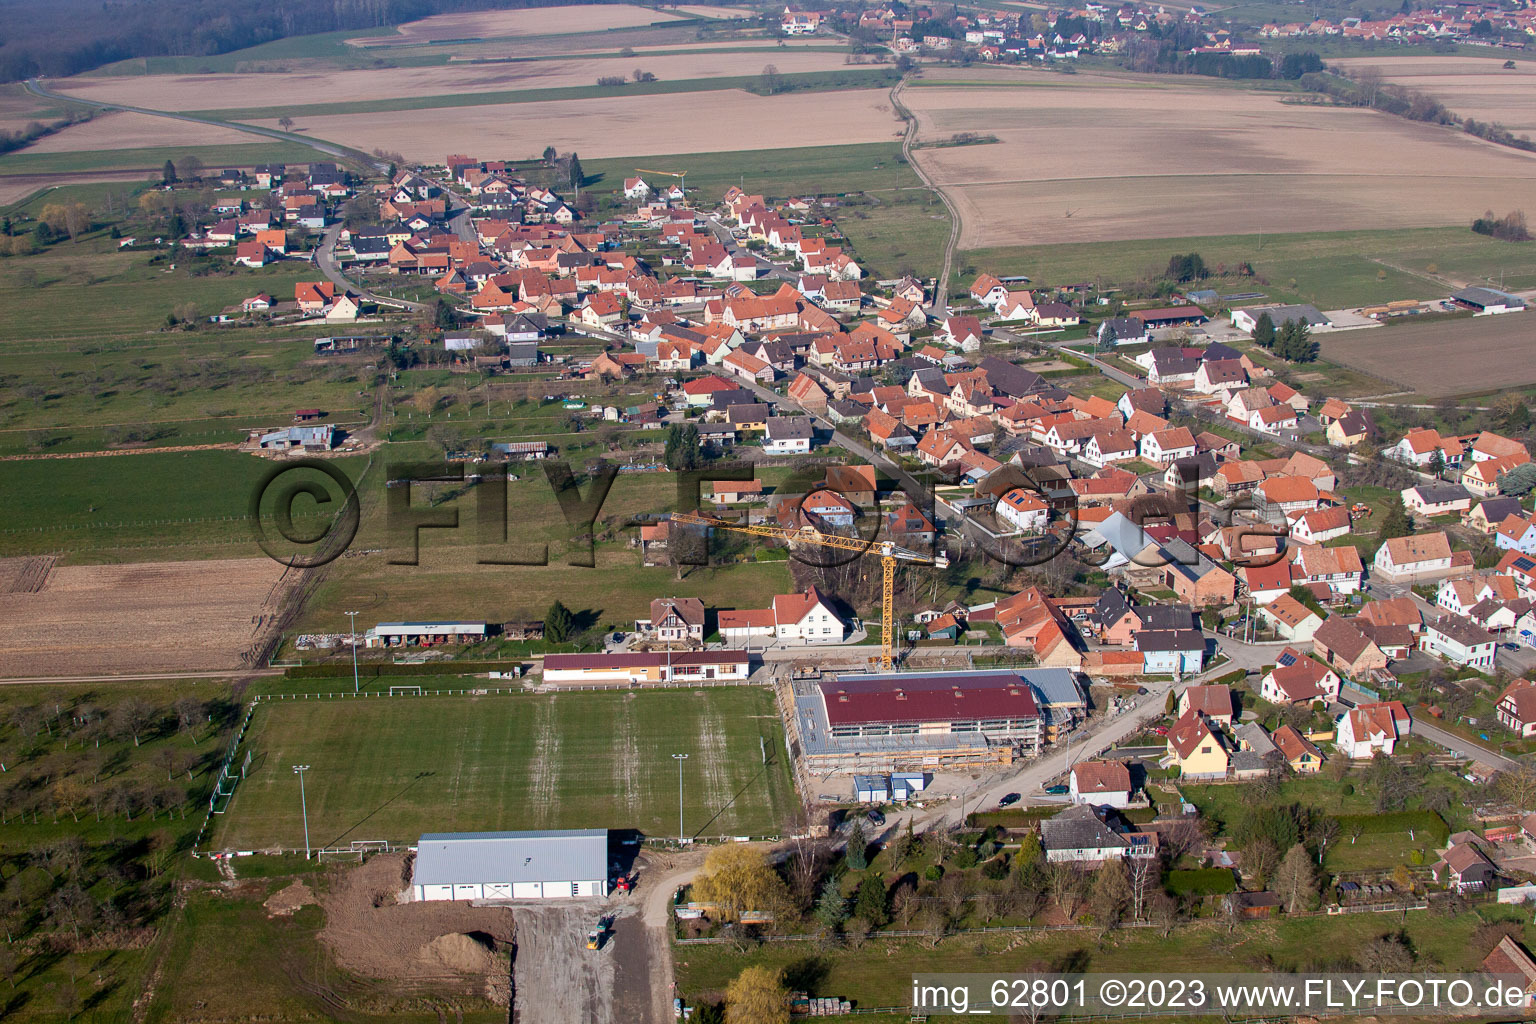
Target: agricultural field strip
1251	159
230	95
628	126
1493	353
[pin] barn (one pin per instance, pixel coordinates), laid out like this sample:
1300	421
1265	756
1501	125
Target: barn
511	865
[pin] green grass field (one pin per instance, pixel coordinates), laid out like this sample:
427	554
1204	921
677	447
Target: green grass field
904	232
392	768
150	159
1331	269
776	173
90	291
874	77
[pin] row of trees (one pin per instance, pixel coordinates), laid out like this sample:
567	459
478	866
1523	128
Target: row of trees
1292	342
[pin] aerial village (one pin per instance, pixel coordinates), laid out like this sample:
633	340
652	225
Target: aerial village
1197	599
1065	33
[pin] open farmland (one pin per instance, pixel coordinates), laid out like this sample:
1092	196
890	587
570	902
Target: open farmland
625	126
1437	360
394	767
1150	167
539	21
124	130
148	617
236	91
16	187
1479	87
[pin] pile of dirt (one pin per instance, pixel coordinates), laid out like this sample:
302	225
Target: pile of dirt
286	901
460	953
371	933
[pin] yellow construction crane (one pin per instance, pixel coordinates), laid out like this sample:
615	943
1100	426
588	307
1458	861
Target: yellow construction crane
889	554
681	176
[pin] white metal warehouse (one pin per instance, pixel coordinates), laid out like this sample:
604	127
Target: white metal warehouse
511	865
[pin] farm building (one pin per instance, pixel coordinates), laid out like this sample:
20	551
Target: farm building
520	451
511	865
423	634
917	721
1488	300
664	667
1247	318
312	438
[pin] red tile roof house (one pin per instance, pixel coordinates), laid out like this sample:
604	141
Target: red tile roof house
1298	679
1517	707
1214	701
314	296
1408	559
1343	647
1101	783
1512	965
674	619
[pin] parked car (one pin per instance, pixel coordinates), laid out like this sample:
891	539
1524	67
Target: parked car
876	818
1056	790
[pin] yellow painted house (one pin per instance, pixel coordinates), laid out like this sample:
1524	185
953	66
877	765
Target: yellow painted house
1195	747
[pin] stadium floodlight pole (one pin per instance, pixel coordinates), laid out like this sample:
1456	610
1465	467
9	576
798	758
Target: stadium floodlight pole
354	651
299	770
680	758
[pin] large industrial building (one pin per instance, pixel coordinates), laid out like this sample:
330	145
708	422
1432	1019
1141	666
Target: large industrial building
511	865
924	721
647	667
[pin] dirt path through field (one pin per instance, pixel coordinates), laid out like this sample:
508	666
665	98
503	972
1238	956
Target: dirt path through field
226	446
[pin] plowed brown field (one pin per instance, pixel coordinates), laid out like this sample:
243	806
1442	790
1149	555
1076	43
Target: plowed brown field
1088	158
145	617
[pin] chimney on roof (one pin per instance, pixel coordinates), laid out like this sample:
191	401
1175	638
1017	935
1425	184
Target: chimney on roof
901	695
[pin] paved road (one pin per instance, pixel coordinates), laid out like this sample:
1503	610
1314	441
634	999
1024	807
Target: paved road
36	87
941	285
765	268
325	261
1451	741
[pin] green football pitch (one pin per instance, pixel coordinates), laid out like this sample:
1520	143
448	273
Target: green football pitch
392	768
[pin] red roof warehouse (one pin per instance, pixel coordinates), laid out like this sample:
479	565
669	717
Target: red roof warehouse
859	704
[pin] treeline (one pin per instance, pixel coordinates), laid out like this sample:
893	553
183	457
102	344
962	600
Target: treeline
1367	89
11	141
1171	54
71	36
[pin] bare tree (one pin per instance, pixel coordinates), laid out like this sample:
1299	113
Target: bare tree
189	711
1066	888
133	717
1144	879
1163	911
1518	786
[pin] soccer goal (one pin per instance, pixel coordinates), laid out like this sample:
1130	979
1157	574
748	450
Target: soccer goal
406	691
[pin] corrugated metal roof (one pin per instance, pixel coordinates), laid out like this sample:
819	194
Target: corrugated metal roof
445	858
